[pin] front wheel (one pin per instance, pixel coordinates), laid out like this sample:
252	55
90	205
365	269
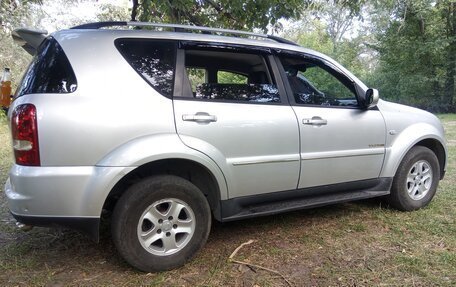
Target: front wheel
160	223
416	180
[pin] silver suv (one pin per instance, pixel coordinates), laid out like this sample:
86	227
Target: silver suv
169	126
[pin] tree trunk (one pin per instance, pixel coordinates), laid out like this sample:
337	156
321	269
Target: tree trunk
134	10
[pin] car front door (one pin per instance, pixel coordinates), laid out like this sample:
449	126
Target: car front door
340	141
229	106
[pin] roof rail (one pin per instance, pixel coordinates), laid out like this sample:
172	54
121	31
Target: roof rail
180	28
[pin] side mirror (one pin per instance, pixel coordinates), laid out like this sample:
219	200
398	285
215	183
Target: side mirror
371	98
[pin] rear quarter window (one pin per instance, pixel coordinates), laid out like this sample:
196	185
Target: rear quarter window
49	72
153	60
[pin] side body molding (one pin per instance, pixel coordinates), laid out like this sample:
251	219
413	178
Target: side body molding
399	144
151	148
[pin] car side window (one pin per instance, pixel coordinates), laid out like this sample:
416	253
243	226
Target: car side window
225	77
153	60
218	75
49	72
196	77
314	83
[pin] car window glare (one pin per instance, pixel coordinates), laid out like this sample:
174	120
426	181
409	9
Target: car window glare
229	76
260	93
154	60
49	72
314	83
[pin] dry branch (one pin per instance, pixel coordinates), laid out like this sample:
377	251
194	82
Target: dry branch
250	265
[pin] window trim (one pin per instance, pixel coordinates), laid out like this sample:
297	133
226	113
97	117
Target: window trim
269	59
216	46
179	74
327	64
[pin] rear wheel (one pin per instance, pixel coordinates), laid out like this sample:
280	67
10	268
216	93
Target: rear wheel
416	180
160	223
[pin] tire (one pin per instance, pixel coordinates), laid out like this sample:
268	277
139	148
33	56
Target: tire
416	180
160	223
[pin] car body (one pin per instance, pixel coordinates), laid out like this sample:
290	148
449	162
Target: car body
236	117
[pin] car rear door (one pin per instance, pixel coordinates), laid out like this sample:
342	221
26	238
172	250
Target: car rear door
228	105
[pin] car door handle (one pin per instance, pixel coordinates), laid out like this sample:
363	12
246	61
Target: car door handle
315	121
199	117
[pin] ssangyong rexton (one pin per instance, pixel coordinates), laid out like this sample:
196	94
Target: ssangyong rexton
169	128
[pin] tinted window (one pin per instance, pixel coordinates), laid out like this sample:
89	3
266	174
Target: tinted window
238	92
228	76
49	72
314	83
196	77
224	77
154	60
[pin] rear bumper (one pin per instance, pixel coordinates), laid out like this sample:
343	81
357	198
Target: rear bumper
87	225
72	197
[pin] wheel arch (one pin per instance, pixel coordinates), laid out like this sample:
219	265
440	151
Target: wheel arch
402	145
439	151
190	170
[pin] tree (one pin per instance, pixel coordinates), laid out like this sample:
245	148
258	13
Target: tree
331	27
417	54
448	11
14	14
235	14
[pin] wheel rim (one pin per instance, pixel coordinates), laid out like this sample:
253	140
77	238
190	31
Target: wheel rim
419	180
166	226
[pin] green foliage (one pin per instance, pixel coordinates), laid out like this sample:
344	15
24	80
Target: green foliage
224	77
197	76
327	83
417	55
3	116
330	30
14	14
237	14
407	49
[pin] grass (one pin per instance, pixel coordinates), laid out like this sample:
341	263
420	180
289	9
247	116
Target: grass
360	243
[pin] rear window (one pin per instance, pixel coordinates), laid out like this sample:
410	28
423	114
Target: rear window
153	60
49	72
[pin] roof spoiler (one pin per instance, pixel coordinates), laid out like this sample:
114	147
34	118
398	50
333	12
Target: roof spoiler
29	39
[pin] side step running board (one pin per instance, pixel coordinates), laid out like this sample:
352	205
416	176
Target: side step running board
279	202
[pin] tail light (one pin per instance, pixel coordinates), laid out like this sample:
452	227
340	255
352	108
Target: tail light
25	135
